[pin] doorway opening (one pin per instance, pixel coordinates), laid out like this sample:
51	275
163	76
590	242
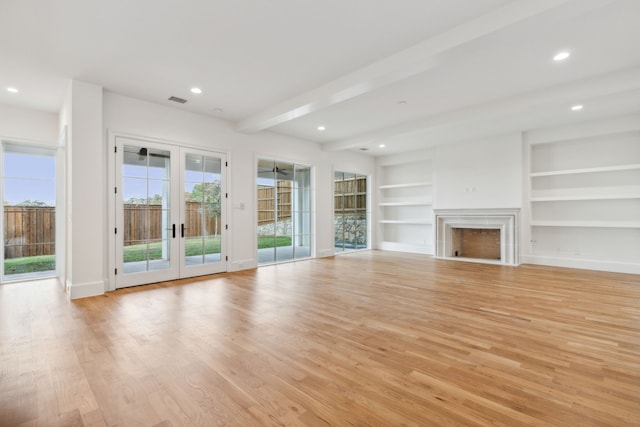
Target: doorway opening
170	212
28	212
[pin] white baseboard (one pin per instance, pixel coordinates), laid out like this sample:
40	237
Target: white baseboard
84	290
584	264
245	264
326	253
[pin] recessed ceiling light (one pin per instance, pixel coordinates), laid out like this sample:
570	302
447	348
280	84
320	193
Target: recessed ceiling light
196	90
381	145
561	56
12	90
577	107
321	128
402	102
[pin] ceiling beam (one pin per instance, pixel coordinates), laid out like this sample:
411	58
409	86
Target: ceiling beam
595	87
394	68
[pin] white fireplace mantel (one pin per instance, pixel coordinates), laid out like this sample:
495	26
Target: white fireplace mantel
506	220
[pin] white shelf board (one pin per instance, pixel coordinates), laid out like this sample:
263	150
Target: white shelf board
587	224
587	197
408	203
406	221
587	170
406	185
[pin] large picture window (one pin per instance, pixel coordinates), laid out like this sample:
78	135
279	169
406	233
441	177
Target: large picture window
28	212
350	211
284	211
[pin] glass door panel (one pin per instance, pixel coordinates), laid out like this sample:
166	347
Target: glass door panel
284	211
283	214
147	215
301	213
350	212
266	212
203	228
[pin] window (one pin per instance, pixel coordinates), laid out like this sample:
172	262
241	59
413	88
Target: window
350	211
284	211
28	212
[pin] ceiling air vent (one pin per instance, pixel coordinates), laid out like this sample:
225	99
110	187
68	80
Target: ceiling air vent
178	100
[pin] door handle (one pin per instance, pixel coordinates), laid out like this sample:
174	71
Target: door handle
174	231
182	230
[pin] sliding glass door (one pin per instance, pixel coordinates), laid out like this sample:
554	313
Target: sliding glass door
284	211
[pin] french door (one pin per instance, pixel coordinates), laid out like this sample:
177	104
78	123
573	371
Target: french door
170	212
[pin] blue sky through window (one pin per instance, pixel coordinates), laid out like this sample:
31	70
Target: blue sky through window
29	177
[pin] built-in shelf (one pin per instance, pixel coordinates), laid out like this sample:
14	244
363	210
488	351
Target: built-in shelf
407	203
404	216
635	166
587	224
406	185
586	197
405	221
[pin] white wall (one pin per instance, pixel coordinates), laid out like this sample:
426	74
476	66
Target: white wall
479	174
123	115
28	125
81	115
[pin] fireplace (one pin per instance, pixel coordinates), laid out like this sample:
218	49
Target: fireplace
478	235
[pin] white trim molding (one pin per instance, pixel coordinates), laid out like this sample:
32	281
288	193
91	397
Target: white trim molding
84	290
506	220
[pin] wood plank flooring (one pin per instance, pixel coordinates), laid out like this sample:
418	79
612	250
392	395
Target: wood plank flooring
372	338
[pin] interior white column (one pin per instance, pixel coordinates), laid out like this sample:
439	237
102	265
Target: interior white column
85	190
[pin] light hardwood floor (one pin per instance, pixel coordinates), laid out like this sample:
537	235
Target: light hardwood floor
372	338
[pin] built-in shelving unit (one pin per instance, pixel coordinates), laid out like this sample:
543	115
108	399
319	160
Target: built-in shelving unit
404	200
584	200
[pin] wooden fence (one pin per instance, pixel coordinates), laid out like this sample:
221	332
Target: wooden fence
267	202
350	195
29	231
143	222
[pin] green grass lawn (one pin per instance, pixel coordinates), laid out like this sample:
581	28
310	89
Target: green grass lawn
135	253
30	264
267	241
194	247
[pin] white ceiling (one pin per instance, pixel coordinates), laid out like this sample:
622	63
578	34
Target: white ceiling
462	68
